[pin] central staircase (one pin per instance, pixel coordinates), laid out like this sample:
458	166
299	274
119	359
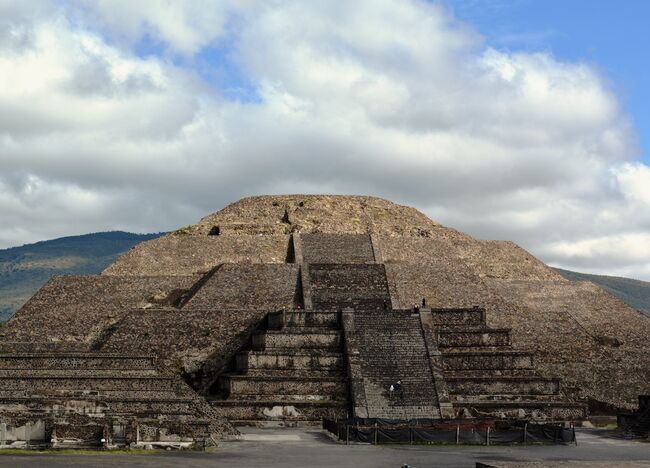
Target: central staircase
346	349
392	347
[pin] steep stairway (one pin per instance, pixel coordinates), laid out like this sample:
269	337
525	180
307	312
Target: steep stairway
392	347
293	373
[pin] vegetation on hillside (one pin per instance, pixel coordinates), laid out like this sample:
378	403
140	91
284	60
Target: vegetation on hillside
633	292
23	270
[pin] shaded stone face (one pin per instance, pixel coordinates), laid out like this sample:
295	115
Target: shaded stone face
199	299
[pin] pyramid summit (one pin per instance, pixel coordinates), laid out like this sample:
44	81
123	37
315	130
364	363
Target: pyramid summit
299	307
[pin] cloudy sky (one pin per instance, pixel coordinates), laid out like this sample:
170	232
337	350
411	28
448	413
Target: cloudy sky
524	120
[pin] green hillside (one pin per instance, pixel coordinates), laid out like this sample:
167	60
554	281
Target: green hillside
634	292
23	270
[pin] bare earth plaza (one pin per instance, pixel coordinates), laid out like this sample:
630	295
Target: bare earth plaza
311	330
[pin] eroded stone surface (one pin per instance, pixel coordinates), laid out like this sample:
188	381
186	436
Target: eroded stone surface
198	300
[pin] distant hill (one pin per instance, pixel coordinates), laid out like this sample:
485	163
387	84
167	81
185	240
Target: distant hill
634	292
23	270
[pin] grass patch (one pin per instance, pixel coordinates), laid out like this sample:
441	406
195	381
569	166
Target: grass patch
30	452
608	425
184	231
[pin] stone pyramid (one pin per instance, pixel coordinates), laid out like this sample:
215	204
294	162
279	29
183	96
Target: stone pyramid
293	308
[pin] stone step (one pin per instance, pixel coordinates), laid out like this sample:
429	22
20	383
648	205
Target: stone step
478	349
78	373
300	398
134	398
73	390
37	383
410	372
282	339
487	360
265	385
506	397
32	347
455	317
501	385
281	320
280	410
535	410
324	303
94	394
296	373
302	331
75	361
405	412
153	409
95	404
473	337
260	360
489	373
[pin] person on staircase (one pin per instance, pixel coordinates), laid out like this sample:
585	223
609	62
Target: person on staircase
399	391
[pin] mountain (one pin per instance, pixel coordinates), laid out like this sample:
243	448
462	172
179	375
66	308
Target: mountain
635	293
23	270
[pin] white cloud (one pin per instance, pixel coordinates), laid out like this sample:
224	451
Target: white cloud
396	99
634	183
183	27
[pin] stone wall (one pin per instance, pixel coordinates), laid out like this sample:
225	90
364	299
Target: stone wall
188	254
429	269
449	271
75	394
444	285
249	286
337	248
362	287
579	332
199	343
503	259
77	309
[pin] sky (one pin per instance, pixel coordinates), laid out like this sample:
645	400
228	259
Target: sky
521	120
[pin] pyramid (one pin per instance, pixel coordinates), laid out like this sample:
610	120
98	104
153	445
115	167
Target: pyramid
294	308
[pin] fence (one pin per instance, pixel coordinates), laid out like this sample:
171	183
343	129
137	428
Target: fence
378	431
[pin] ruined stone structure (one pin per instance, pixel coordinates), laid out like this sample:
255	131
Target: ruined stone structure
286	309
637	423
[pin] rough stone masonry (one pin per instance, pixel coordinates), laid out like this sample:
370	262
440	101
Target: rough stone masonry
294	308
